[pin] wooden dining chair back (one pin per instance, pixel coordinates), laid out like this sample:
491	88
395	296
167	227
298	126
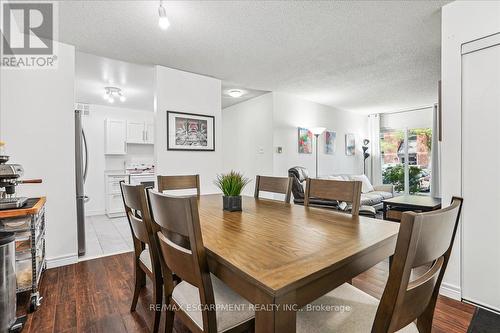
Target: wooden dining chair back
184	182
182	249
147	261
281	185
329	189
425	238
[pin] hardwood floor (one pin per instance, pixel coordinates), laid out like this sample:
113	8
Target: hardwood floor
95	296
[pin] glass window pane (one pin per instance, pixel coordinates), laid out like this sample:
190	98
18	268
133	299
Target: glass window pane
419	153
393	158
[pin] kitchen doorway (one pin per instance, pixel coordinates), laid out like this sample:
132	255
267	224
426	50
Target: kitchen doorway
114	141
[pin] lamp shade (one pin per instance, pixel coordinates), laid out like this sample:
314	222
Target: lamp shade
317	130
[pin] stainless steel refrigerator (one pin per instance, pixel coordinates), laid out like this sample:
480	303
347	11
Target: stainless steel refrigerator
81	160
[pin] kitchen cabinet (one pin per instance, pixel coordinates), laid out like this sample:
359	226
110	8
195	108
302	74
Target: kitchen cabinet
150	133
135	132
115	137
140	132
114	201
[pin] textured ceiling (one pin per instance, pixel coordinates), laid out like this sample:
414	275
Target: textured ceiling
363	56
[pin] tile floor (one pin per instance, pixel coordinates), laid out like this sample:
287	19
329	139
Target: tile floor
106	236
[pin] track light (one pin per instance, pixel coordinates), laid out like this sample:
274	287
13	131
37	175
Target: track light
110	93
163	21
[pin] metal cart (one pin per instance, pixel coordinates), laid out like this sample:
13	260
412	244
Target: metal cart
28	223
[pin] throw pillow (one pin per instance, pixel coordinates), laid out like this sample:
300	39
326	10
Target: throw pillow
366	185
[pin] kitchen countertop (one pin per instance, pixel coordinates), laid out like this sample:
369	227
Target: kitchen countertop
115	173
124	173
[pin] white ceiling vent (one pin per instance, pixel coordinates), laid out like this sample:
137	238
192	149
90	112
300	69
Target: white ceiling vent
83	107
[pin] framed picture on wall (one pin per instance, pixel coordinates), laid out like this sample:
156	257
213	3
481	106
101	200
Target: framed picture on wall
304	141
190	131
330	138
350	144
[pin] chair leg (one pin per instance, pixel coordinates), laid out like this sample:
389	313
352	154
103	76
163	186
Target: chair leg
169	313
169	321
140	281
158	299
424	322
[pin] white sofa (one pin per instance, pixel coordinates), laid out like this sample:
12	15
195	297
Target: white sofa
370	195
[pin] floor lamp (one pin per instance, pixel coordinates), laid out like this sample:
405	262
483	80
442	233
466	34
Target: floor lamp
365	154
317	132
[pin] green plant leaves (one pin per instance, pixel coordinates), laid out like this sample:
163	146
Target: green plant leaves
232	183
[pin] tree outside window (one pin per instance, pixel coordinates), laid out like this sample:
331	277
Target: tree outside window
393	147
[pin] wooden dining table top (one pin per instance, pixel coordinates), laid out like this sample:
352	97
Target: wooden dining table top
278	246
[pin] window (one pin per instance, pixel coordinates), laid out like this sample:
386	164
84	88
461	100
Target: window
405	145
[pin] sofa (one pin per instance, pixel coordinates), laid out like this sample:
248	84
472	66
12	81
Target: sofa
371	196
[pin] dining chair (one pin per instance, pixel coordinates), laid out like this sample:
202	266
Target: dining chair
201	301
329	189
146	255
282	185
424	238
183	182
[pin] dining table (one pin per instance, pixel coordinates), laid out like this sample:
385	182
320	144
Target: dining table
281	256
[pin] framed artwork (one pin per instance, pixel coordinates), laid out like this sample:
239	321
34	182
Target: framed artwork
305	141
189	131
350	144
330	140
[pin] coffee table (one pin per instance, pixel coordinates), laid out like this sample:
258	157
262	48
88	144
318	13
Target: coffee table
394	207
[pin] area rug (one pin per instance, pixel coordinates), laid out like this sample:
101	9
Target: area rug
484	321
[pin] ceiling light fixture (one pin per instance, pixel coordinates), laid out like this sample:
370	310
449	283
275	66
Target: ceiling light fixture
235	93
110	93
163	21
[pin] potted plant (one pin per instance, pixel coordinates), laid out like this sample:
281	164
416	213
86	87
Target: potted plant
231	184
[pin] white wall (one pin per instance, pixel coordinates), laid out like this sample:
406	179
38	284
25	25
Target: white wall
247	129
291	112
253	129
187	92
462	21
37	122
99	163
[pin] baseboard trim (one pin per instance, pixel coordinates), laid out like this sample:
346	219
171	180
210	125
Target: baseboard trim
451	291
80	259
62	261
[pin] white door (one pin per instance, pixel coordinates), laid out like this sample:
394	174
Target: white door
116	136
150	132
481	175
135	132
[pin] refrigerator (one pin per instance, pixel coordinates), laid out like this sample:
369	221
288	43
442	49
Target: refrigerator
81	161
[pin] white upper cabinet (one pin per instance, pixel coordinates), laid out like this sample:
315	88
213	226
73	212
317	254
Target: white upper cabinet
115	137
140	132
150	133
135	132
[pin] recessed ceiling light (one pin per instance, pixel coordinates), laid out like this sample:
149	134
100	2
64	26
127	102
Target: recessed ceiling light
235	93
163	21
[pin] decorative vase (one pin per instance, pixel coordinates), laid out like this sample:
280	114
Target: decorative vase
232	203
